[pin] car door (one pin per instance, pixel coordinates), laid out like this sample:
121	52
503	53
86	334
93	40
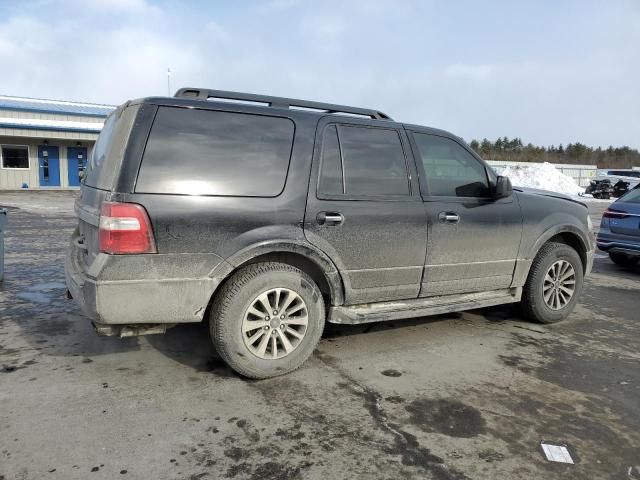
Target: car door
364	210
473	239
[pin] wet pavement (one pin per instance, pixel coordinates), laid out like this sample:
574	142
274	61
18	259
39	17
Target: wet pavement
464	396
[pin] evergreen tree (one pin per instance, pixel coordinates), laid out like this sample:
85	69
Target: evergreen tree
574	153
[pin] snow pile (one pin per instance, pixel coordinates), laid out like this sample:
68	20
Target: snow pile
543	176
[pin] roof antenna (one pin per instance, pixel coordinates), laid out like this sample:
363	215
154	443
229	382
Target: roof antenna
168	82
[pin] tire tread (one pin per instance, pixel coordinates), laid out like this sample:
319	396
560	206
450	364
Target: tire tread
220	311
532	305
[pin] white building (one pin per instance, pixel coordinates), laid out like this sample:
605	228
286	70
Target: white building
46	143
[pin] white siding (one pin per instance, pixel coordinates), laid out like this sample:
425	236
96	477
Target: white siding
13	179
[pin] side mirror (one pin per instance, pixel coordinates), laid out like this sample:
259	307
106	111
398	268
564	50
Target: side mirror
503	188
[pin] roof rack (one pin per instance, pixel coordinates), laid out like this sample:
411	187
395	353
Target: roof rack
278	102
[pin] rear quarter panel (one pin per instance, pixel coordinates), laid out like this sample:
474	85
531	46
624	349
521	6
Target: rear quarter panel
224	225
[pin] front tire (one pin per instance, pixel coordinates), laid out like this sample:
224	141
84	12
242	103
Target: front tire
554	284
267	319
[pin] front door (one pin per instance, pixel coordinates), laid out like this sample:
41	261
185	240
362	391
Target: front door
49	166
473	240
364	210
76	164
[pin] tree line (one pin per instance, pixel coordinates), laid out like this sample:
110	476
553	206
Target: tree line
514	150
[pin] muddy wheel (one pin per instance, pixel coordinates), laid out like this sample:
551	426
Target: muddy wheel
554	284
267	319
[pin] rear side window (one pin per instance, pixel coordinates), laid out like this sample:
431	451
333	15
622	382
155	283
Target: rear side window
204	152
450	170
363	161
632	197
331	178
109	149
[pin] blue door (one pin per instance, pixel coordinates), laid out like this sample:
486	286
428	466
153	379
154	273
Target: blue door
49	166
76	163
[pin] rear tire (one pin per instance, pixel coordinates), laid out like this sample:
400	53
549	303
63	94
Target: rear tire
258	343
622	260
554	284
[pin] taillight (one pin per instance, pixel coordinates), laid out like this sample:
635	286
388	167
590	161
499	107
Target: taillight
125	229
613	213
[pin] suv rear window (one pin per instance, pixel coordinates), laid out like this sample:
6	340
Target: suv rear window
205	152
109	149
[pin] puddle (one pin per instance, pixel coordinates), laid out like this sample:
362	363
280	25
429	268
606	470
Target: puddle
42	292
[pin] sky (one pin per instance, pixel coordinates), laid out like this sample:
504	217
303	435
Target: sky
549	72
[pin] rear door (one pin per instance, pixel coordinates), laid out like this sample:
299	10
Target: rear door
364	209
473	240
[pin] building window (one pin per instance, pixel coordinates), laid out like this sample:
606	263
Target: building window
15	156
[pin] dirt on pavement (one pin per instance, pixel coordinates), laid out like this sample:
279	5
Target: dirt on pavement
463	396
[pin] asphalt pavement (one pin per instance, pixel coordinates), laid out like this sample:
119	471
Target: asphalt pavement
461	396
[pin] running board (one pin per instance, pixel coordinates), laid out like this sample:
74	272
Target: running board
421	307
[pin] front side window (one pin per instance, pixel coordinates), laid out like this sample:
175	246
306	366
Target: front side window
363	161
15	156
206	152
450	170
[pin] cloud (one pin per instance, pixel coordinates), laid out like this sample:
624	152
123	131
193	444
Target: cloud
490	71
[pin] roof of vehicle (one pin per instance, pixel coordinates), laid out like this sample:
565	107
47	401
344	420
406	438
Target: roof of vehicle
431	130
194	97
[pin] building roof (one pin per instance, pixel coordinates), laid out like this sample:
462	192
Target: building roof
56	107
51	125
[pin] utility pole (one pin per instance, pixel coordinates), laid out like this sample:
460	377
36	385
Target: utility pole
168	82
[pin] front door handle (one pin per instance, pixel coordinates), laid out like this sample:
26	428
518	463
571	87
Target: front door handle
448	217
329	218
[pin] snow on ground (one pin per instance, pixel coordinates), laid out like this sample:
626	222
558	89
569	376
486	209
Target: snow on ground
543	176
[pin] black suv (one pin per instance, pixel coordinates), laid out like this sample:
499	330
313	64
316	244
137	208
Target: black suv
267	216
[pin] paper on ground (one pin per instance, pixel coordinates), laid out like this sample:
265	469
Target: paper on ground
556	453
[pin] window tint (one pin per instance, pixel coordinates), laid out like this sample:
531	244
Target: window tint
216	153
632	197
331	180
449	169
108	151
373	161
14	156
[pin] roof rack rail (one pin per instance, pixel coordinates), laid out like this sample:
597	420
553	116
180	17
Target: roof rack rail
278	102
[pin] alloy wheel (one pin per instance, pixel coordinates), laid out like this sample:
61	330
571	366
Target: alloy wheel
559	285
275	323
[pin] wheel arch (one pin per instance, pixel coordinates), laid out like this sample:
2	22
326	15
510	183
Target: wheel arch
568	235
302	255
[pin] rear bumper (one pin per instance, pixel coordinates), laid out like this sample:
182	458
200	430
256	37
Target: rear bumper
616	243
141	289
629	250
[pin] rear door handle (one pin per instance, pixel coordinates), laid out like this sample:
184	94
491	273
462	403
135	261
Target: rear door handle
329	218
448	217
